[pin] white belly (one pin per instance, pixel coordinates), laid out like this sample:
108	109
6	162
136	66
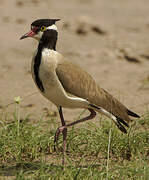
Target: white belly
54	92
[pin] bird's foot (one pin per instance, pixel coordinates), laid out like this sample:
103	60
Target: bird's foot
58	131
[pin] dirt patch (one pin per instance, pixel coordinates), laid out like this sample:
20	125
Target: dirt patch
110	41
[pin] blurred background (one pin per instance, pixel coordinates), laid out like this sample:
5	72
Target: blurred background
110	39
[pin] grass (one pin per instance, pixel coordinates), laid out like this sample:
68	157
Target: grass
26	150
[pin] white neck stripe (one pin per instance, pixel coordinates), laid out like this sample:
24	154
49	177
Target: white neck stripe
52	27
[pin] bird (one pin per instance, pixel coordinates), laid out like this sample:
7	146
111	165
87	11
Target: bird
69	86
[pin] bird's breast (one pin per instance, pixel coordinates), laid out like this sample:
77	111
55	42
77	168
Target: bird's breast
47	75
46	67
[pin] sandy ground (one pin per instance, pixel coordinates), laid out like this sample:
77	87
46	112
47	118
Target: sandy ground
108	38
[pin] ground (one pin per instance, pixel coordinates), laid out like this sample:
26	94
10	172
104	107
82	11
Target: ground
107	38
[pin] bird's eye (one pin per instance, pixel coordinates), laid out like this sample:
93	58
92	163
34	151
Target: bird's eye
43	28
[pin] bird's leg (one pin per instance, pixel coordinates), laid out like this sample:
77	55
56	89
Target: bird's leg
63	128
64	131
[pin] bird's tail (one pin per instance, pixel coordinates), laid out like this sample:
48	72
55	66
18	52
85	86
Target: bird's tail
130	113
120	123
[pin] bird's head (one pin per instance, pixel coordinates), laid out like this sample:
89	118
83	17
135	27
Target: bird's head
39	27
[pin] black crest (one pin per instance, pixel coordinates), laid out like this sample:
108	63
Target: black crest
44	22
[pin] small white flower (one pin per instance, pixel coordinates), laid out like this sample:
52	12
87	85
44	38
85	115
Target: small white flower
17	99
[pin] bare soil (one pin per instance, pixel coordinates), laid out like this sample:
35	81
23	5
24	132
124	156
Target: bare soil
110	39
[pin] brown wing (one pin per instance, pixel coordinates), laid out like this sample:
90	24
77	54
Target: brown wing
79	83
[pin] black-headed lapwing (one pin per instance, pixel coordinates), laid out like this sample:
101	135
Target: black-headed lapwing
67	85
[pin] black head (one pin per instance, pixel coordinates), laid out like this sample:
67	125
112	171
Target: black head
39	26
44	22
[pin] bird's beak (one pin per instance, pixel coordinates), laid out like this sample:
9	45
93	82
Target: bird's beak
29	34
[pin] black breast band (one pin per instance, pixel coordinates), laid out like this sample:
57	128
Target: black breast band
37	63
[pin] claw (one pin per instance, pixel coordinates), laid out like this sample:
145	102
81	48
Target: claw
57	133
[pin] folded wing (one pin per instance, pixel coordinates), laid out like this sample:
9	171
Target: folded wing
79	83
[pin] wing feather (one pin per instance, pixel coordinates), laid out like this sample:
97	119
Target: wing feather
79	83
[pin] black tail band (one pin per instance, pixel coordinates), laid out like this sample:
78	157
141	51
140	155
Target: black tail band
130	113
